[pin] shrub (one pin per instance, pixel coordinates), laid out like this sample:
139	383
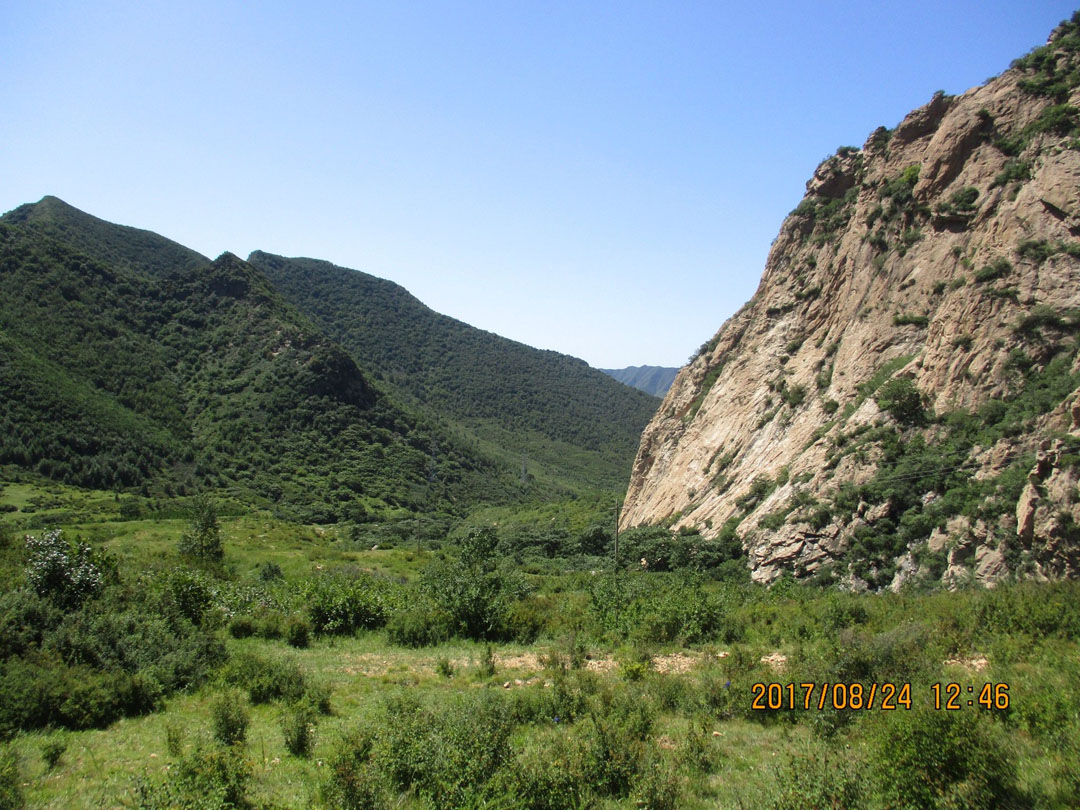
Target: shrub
470	590
229	718
937	759
51	751
298	731
353	785
11	795
900	398
446	755
819	778
904	319
657	786
485	667
25	618
209	778
241	627
611	757
188	594
174	738
548	779
297	632
270	572
993	271
202	539
65	572
265	680
419	626
344	601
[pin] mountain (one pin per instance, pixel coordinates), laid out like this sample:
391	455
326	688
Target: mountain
570	426
117	246
125	361
655	380
900	399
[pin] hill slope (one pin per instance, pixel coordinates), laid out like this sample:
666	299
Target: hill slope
654	380
200	376
575	426
118	246
899	399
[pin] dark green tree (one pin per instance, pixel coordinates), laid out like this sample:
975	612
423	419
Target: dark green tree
202	539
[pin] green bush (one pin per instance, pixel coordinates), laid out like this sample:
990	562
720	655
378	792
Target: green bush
208	778
52	750
67	573
241	627
471	590
344	601
547	779
11	794
298	730
265	679
939	759
297	632
202	538
995	270
420	626
818	778
901	399
354	782
656	786
229	718
612	757
446	755
905	319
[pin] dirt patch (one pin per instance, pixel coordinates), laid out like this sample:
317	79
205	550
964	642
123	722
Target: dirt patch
528	661
776	661
600	665
975	663
676	663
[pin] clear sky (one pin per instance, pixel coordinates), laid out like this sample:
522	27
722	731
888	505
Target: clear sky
599	178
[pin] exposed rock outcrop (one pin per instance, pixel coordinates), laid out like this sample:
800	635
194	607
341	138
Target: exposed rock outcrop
934	271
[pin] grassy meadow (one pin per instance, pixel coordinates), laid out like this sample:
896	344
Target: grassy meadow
355	666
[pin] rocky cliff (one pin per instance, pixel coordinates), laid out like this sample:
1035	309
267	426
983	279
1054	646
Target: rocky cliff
899	399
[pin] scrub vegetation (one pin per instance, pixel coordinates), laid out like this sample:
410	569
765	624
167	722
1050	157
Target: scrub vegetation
510	665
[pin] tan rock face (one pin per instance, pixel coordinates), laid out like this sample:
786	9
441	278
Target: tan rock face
909	258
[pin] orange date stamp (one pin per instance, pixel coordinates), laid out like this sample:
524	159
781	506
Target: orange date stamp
821	696
882	696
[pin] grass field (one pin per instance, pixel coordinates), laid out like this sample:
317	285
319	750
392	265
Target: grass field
584	689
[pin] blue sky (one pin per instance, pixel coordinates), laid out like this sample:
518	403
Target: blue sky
602	179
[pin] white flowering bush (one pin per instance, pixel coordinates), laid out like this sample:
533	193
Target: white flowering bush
60	570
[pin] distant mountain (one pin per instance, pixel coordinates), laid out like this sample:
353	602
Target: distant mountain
655	380
115	372
573	426
128	360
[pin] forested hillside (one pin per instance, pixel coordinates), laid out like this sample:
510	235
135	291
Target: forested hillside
574	425
130	361
118	246
199	377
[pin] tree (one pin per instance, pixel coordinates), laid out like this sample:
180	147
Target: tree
202	539
901	398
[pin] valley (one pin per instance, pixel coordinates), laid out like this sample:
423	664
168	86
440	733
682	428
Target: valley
274	534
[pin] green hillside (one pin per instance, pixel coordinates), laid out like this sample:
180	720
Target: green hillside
118	246
574	425
201	377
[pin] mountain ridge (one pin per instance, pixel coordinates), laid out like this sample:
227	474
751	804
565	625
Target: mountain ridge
897	401
518	401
